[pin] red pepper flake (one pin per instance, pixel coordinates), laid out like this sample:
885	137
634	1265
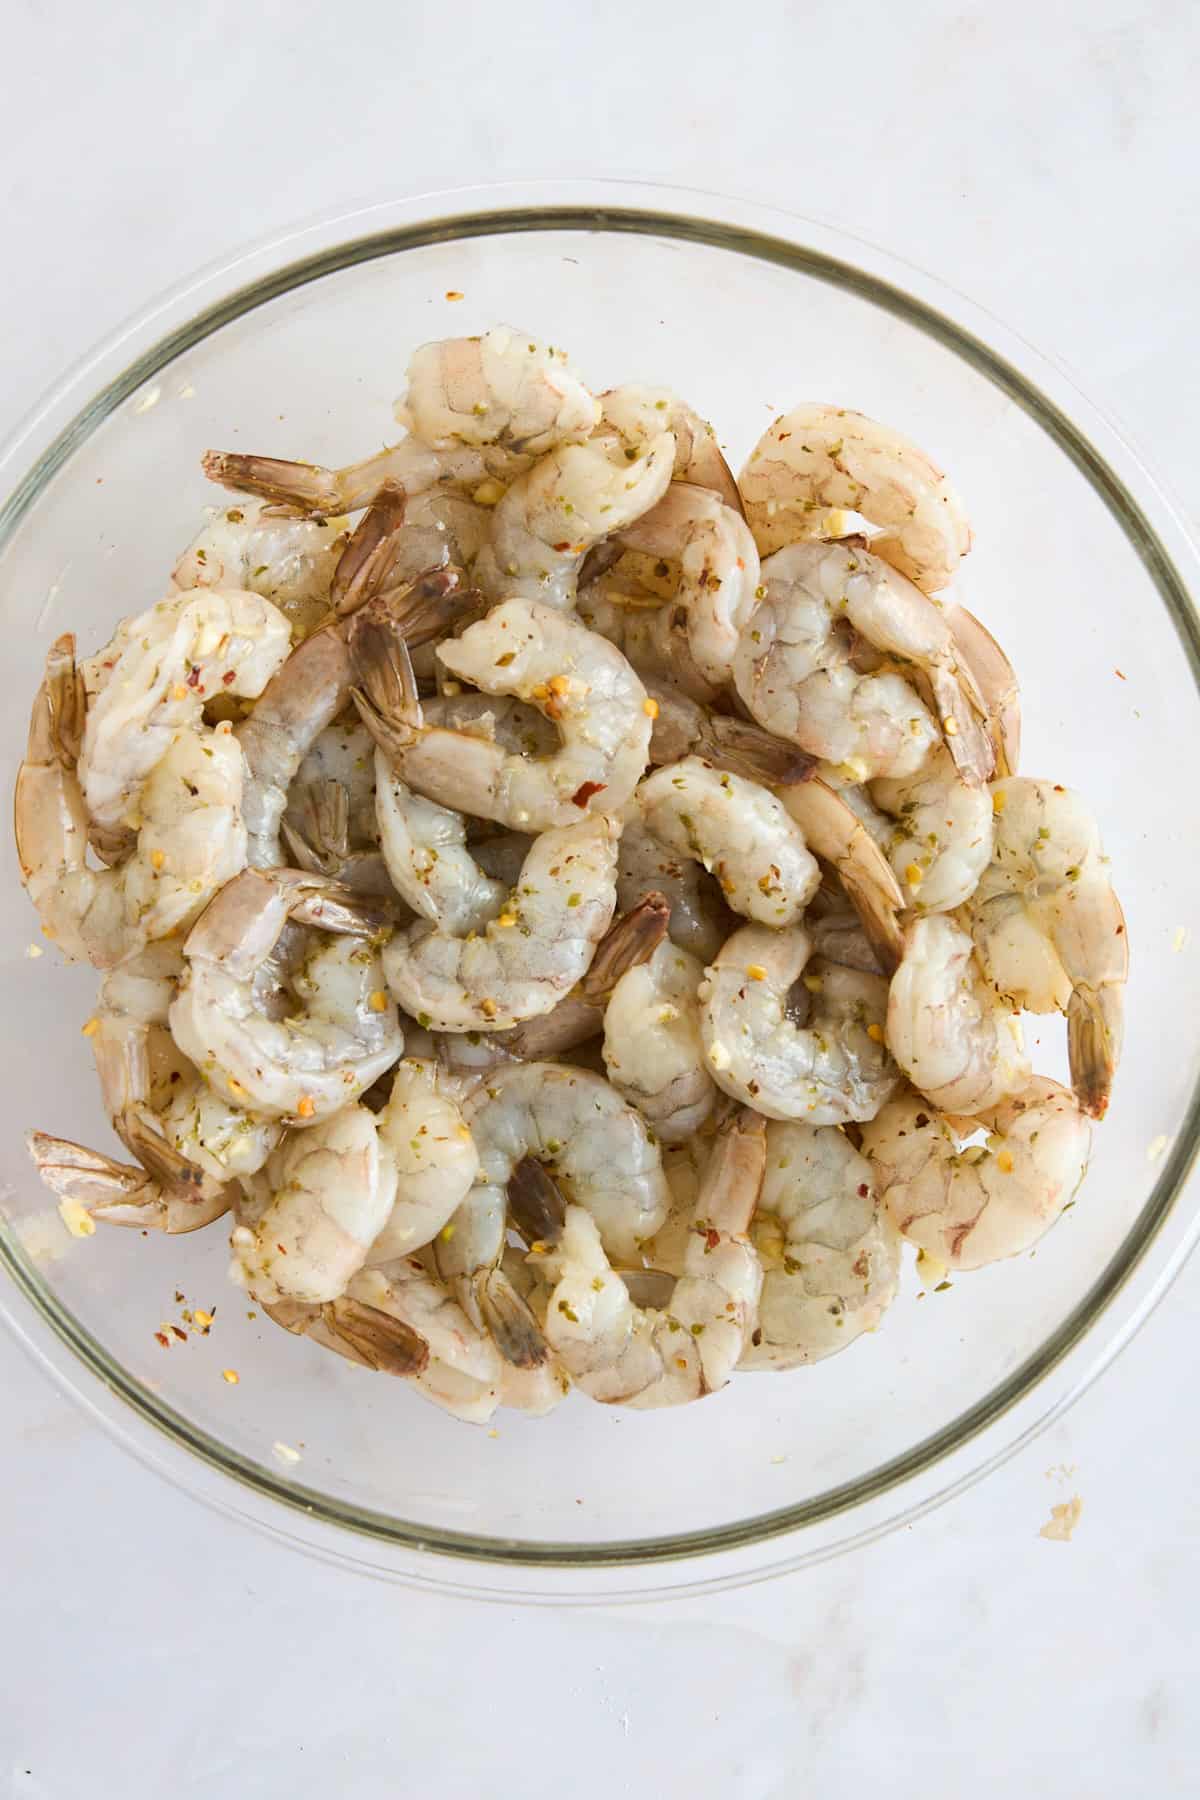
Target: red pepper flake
163	1339
863	1190
583	793
281	1249
193	676
227	677
561	548
1120	675
712	1238
181	1335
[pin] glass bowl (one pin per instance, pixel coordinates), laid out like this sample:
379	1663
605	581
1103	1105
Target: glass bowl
297	348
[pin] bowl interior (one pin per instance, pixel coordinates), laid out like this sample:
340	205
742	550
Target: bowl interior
1110	706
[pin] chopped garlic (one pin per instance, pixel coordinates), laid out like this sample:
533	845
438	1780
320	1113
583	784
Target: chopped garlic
77	1219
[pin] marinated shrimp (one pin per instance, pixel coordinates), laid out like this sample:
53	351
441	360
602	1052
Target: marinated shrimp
942	840
956	1039
821	458
288	560
827	1066
501	388
700	921
346	1033
966	1203
1048	928
738	831
423	1132
719	572
652	1044
830	1251
527	650
639	413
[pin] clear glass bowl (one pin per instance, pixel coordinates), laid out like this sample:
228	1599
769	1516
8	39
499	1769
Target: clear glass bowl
1081	568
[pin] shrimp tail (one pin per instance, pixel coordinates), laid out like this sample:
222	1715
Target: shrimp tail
316	491
535	1203
514	1330
746	749
323	844
364	565
386	692
66	701
961	710
117	1193
1095	1028
380	1341
632	941
175	1174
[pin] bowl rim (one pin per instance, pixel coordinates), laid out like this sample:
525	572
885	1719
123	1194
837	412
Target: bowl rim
982	1436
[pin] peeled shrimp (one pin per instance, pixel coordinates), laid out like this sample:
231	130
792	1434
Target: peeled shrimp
797	666
955	1038
718	562
831	1070
552	516
942	840
328	1193
640	413
422	1131
523	960
818	458
289	561
652	1045
969	1204
425	848
528	650
301	1068
190	840
829	1250
620	1353
737	830
165	664
1049	929
650	632
501	388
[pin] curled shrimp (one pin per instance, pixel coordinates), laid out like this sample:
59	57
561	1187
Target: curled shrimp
161	668
834	828
1049	929
639	413
425	848
956	1039
966	1203
700	921
288	560
325	1197
820	458
190	834
942	839
549	519
465	1374
502	388
718	563
653	1051
624	1354
524	649
829	1249
649	631
304	1067
738	831
521	961
799	665
832	1069
423	1132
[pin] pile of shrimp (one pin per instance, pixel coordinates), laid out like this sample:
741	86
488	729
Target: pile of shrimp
566	910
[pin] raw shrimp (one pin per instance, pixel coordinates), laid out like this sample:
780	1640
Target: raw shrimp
632	1356
834	828
522	961
408	467
344	753
818	458
700	920
552	516
576	679
161	668
501	388
465	1372
639	413
422	1131
362	1334
328	1194
969	1204
830	1070
942	841
737	830
190	840
798	665
301	1068
650	632
718	562
1049	929
652	1046
425	848
956	1039
682	727
289	561
829	1250
118	1193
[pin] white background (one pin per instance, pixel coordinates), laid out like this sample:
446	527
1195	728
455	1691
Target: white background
1043	158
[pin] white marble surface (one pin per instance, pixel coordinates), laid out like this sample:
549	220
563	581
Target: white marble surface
1043	158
